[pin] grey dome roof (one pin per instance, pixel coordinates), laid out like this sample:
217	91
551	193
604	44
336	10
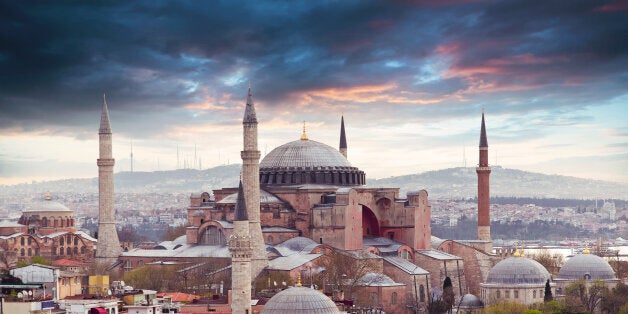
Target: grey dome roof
470	301
586	264
264	197
47	206
518	270
296	300
298	243
376	279
305	154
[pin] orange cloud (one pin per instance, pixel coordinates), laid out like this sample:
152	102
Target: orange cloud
386	93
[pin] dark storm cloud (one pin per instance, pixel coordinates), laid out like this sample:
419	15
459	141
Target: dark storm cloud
155	57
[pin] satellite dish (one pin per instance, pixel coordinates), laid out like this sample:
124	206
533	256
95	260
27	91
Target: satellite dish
109	292
30	293
20	295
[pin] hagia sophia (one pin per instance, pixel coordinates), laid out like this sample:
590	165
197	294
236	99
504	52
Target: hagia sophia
298	208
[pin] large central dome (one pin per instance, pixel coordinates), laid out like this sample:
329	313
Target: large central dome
308	162
306	154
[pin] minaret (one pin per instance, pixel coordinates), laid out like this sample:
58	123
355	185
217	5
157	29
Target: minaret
108	248
484	207
250	180
343	137
241	250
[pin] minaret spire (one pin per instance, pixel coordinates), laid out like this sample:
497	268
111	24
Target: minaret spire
483	141
241	252
105	127
250	183
343	137
108	248
484	206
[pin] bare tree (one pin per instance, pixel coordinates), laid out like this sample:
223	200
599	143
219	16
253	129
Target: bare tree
344	269
585	296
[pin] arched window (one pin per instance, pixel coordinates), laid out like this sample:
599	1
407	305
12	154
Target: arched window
75	250
30	240
69	250
22	241
61	251
44	222
30	252
22	252
82	250
394	298
212	236
421	293
533	294
54	251
75	240
499	294
61	241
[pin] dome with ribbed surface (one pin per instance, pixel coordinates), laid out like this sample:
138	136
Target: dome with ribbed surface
586	266
306	154
308	162
518	270
297	300
47	206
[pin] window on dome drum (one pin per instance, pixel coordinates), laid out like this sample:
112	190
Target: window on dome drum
533	294
75	240
498	294
61	241
22	241
516	292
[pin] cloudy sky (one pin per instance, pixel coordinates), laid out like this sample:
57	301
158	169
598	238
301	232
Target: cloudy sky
410	77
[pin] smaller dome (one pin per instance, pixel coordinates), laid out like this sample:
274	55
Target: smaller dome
470	301
376	279
47	206
295	300
297	243
264	197
586	266
518	270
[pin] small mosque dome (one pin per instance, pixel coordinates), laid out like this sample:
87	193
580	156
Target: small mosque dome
297	300
518	270
469	301
47	206
586	266
376	279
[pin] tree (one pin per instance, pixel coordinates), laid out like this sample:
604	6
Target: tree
551	262
39	260
582	296
506	308
615	300
548	292
343	269
448	294
173	233
154	277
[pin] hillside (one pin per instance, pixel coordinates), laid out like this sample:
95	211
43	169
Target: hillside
446	183
462	182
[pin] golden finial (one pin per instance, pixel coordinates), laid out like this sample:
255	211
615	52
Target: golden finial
586	249
48	196
299	280
516	254
304	135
